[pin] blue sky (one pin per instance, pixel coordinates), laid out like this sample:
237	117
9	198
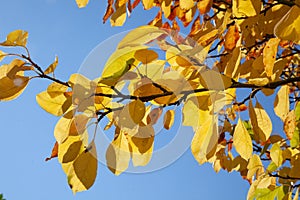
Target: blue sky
58	27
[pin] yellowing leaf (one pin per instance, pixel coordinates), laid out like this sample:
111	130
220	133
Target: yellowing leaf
282	103
242	141
85	168
118	18
205	139
231	38
213	80
169	119
269	55
276	154
288	28
204	6
247	8
137	110
140	36
16	38
61	130
118	153
261	122
69	150
289	124
255	167
141	145
56	105
52	67
148	4
145	56
12	80
82	3
10	89
186	4
232	68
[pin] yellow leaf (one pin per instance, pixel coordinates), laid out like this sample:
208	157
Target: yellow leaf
213	80
82	3
118	18
56	89
145	56
204	6
62	128
289	124
148	4
69	150
166	7
12	80
2	55
261	122
247	8
85	168
232	67
56	105
288	28
16	38
276	154
269	55
52	67
205	139
296	196
255	167
242	141
137	110
282	103
140	36
169	119
118	153
186	4
141	145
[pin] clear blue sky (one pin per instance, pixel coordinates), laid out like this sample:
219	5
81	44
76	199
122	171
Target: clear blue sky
58	27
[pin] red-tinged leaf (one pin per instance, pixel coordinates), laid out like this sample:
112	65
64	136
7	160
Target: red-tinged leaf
135	3
154	116
166	25
157	21
129	7
108	13
173	13
54	152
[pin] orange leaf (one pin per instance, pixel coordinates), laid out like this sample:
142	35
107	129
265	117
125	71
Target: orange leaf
109	11
54	152
231	38
204	6
135	3
157	21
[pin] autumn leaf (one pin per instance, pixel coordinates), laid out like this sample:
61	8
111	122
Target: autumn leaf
16	38
231	38
82	3
145	55
52	67
54	152
204	6
118	18
242	141
269	55
288	27
282	103
169	119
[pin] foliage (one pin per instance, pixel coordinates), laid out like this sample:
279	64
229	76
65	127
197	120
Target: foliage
154	69
1	197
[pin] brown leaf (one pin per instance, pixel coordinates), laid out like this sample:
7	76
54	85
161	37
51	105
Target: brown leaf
135	3
196	26
204	6
54	152
154	115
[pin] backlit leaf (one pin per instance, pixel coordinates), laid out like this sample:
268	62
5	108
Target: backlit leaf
231	38
54	152
242	141
140	36
282	103
276	154
204	6
16	38
145	55
82	3
255	166
288	27
52	67
85	167
118	153
186	4
289	124
148	4
118	18
247	8
205	139
269	55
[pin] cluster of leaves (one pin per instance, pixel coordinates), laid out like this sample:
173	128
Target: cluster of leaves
154	69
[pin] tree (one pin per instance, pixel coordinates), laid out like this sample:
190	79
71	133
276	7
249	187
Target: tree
155	69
